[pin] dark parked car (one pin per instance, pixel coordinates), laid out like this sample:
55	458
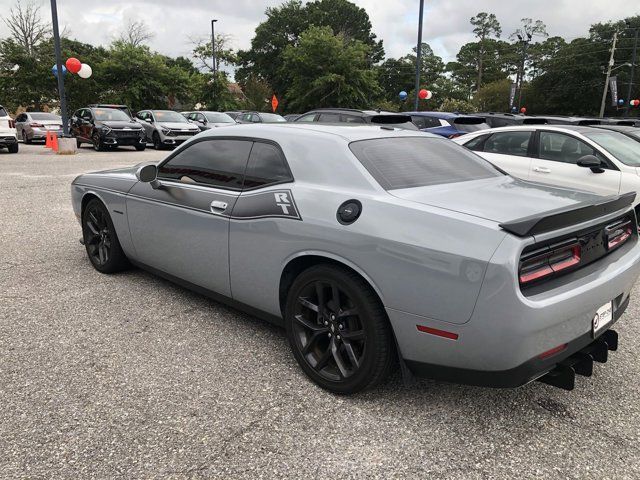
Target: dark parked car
447	124
496	120
259	117
334	116
106	127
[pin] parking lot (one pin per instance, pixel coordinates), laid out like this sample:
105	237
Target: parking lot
129	376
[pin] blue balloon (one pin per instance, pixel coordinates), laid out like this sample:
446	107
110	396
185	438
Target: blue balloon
403	95
54	70
620	101
514	109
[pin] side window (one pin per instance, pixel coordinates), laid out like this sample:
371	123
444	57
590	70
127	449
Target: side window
22	117
329	118
508	143
266	166
352	119
307	118
86	114
559	147
477	143
246	117
219	163
420	122
255	118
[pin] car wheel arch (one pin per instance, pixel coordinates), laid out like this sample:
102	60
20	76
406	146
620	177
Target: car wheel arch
298	263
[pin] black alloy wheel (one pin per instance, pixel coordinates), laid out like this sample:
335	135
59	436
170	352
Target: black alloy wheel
100	239
97	142
338	330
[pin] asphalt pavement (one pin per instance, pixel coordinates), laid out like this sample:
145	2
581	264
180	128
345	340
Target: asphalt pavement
130	376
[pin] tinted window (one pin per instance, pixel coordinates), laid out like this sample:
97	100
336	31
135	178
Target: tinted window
266	166
477	143
508	143
329	118
425	122
307	118
563	148
272	118
220	163
352	119
3	112
21	118
418	162
219	117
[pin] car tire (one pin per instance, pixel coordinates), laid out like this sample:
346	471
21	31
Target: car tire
25	138
100	239
98	146
13	148
157	144
78	142
140	148
344	348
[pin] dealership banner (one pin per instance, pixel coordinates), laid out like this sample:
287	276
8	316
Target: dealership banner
613	86
512	94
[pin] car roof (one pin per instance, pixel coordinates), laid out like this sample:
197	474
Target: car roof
618	128
443	115
553	127
348	133
353	110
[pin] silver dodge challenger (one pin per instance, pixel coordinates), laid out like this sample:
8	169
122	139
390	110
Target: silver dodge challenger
376	247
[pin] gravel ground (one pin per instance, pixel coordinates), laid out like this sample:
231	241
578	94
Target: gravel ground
129	376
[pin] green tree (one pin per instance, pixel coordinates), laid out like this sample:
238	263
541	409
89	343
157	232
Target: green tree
496	59
454	105
257	93
494	96
329	70
485	25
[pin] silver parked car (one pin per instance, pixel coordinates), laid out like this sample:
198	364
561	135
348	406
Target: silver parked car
32	126
166	128
207	120
418	251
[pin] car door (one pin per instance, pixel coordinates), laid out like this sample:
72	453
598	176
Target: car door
262	222
509	150
558	155
86	124
182	227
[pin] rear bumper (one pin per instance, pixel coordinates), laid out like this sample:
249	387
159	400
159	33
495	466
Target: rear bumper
6	140
535	368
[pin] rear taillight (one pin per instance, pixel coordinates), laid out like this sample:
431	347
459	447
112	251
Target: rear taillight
12	124
454	135
618	233
37	125
548	261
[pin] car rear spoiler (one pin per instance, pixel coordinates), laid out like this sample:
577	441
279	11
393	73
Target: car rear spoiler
565	217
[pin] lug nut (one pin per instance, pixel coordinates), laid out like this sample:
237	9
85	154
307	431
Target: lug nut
329	334
341	326
333	317
326	323
337	337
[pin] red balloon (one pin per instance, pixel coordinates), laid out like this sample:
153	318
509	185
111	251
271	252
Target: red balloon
73	65
523	110
423	94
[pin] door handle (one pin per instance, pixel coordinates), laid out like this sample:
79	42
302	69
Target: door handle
542	169
218	207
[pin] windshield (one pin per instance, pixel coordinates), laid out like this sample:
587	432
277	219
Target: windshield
625	149
44	116
408	162
169	116
215	117
272	118
110	114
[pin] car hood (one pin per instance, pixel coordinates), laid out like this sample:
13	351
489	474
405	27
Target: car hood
178	126
500	199
121	124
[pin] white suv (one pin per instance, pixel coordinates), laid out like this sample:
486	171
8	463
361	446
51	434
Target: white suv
575	157
8	136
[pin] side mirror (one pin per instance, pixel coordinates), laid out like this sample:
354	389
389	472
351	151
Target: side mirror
592	162
147	173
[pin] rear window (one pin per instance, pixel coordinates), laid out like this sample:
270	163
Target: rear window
43	116
3	112
418	162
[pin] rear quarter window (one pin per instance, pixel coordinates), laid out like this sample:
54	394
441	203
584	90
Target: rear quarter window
408	162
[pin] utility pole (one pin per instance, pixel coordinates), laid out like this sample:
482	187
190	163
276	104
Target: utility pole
56	40
606	82
525	44
213	52
633	65
419	54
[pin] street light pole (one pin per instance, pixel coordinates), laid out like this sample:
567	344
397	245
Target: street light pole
606	82
633	65
56	40
419	54
213	54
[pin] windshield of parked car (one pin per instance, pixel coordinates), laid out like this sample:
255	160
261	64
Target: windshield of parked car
272	118
215	117
44	116
625	149
169	116
110	114
408	162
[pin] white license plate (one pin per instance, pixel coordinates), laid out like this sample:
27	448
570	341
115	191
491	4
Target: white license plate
51	127
602	318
